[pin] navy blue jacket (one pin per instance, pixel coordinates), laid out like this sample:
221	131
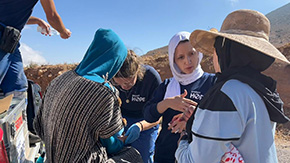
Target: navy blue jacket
166	143
139	94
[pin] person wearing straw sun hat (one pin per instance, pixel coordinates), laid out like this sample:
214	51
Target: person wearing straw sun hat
243	107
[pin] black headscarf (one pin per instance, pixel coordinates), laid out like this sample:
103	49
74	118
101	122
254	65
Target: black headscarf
245	64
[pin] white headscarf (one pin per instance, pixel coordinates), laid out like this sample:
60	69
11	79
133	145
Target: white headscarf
173	88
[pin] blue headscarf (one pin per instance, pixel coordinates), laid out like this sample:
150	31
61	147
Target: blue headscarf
105	56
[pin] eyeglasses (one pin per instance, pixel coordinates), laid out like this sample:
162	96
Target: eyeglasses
124	82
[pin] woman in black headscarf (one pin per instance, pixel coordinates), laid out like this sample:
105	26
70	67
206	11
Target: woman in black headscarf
242	108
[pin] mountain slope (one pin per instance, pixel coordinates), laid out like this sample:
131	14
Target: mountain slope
280	25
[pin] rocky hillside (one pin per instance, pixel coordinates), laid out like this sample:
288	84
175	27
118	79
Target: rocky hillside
280	25
160	51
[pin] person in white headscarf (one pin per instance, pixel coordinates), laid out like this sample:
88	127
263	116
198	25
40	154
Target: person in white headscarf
177	95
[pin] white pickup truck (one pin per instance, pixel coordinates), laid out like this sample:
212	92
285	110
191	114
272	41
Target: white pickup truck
15	139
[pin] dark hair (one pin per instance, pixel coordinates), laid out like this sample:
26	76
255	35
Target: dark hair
183	41
131	66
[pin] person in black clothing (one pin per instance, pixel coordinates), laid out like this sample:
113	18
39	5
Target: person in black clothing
243	106
136	83
14	14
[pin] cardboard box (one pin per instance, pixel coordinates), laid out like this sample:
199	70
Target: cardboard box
5	104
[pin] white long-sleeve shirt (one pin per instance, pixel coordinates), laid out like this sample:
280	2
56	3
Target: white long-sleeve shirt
237	115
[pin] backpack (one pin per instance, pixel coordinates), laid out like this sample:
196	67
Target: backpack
34	99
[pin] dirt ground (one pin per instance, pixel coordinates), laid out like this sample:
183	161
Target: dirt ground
282	143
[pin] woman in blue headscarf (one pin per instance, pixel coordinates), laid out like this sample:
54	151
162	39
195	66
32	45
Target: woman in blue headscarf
81	106
104	57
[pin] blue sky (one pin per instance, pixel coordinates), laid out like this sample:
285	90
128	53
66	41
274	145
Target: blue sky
143	25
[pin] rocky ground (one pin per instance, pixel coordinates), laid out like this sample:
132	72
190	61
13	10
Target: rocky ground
283	147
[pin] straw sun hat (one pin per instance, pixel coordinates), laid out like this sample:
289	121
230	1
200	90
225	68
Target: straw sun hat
248	27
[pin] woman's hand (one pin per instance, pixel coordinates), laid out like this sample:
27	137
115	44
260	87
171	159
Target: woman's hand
132	133
180	103
183	136
178	123
122	138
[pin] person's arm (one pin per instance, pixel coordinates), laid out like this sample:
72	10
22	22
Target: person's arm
212	134
150	112
54	19
156	106
114	144
144	125
201	150
213	130
107	119
134	130
40	22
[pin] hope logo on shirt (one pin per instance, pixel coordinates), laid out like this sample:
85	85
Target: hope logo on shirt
196	95
138	98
